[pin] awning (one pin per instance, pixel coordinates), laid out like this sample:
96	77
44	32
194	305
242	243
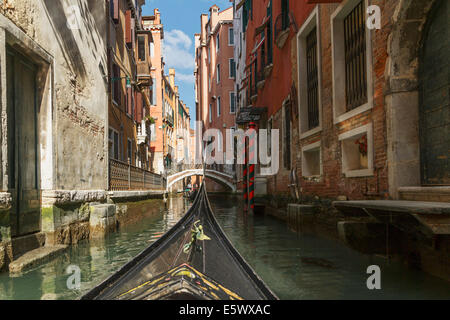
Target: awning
262	27
250	64
322	1
258	45
250	114
244	85
240	5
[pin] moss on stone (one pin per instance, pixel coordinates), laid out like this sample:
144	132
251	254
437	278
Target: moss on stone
4	218
47	217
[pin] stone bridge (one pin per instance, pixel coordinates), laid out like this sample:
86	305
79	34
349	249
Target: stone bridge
220	177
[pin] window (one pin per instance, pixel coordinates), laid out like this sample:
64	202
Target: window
309	78
312	160
269	136
111	143
154	91
232	102
218	73
152	49
232	69
357	152
141	48
312	80
114	140
129	151
217	43
287	134
116	81
269	33
153	133
352	61
285	14
121	147
209	55
231	37
114	10
210	113
219	111
355	58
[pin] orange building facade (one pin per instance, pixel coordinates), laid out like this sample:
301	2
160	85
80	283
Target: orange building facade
155	26
130	85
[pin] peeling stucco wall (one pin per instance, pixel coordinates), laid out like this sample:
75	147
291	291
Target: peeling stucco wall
76	86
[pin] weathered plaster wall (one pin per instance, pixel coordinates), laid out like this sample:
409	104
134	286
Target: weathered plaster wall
74	84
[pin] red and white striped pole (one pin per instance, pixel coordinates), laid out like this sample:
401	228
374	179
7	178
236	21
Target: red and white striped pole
245	176
252	162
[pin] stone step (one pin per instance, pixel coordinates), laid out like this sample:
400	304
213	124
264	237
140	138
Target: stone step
34	258
433	194
427	218
23	244
300	214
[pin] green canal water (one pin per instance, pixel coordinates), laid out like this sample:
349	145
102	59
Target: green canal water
294	266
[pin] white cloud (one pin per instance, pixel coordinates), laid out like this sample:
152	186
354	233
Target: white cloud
177	50
188	78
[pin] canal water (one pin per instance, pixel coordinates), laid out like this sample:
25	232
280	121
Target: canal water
294	266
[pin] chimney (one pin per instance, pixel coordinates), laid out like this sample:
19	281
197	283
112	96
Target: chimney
172	77
157	15
214	16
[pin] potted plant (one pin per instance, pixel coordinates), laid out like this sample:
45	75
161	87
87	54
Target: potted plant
362	145
150	119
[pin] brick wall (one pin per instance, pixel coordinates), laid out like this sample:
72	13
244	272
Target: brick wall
333	182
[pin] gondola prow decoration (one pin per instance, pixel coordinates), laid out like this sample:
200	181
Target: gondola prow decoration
197	234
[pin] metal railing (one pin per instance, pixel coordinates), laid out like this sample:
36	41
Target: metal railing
282	22
123	177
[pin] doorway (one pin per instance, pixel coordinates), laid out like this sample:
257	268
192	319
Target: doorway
23	152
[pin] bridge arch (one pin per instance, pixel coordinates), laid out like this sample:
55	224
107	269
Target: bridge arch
209	174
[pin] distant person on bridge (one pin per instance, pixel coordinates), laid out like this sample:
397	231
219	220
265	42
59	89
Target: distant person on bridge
187	192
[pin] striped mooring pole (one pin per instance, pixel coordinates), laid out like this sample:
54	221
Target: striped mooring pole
245	176
252	161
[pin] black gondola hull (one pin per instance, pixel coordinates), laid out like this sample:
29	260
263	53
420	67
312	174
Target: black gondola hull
214	261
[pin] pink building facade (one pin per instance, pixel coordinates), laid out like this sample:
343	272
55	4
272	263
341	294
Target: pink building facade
215	75
154	24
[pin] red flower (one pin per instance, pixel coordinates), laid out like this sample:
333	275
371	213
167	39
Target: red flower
362	142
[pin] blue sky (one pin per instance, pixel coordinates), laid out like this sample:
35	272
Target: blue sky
181	19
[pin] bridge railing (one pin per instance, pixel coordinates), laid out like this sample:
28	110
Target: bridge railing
123	177
177	168
224	168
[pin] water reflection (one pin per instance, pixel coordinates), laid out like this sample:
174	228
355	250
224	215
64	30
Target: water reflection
97	259
294	266
306	266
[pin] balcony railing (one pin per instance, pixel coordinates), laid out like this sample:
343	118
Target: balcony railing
282	26
123	177
252	91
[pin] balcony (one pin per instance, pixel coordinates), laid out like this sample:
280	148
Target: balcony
143	73
282	24
142	133
169	120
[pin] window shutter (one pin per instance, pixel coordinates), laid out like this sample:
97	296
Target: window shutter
114	7
139	107
129	100
128	35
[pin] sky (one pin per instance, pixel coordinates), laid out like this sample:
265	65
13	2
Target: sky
181	20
